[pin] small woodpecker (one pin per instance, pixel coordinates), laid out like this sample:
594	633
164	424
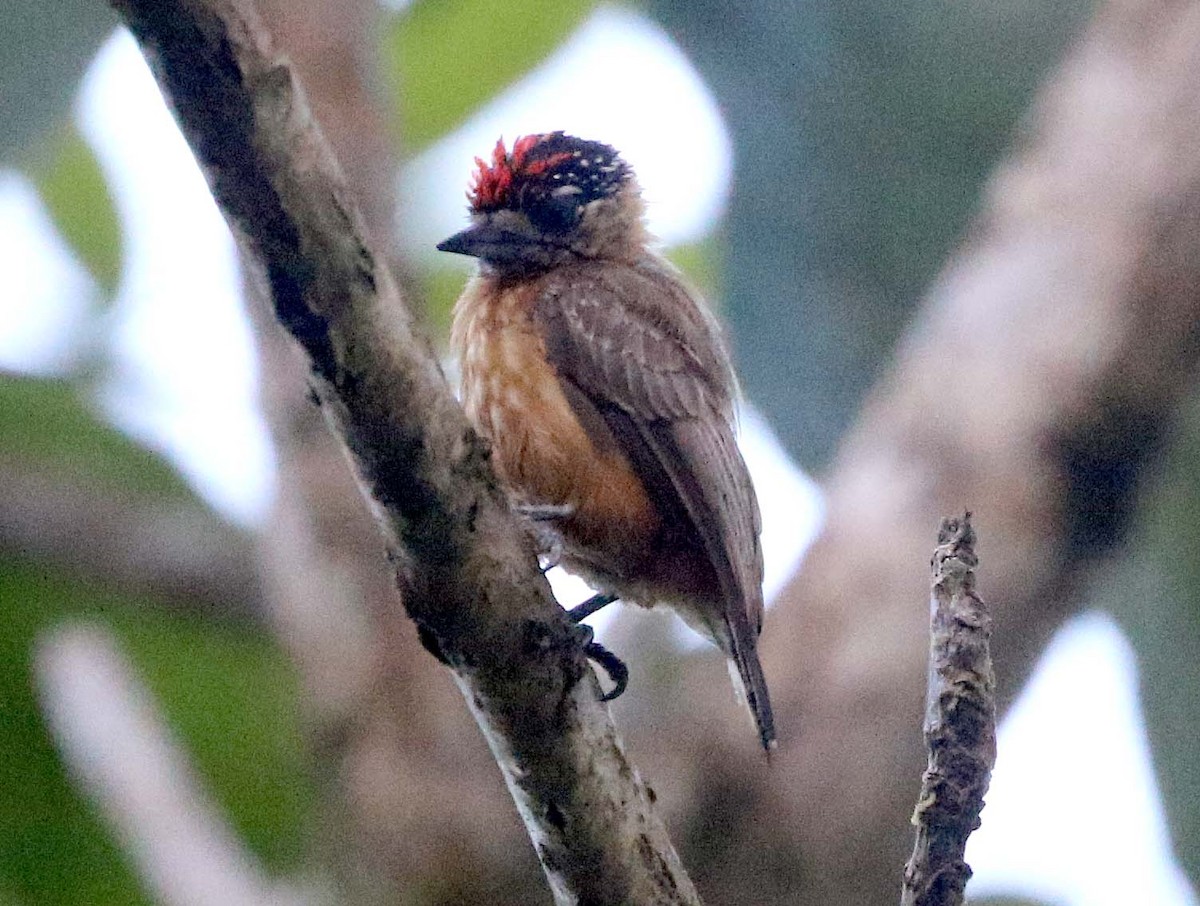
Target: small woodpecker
604	386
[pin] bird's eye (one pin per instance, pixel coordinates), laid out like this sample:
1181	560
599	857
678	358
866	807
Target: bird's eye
555	213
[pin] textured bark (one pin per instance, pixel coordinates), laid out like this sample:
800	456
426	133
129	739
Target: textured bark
1036	387
412	798
333	48
466	571
960	724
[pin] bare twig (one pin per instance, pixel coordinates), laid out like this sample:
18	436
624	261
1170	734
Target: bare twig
960	724
467	574
116	742
177	551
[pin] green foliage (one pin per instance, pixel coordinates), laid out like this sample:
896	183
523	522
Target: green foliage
228	693
702	263
231	700
53	848
450	56
441	285
46	422
77	196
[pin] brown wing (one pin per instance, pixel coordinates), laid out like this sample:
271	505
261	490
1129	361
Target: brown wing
643	352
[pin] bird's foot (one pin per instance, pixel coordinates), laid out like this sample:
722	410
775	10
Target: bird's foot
543	517
608	662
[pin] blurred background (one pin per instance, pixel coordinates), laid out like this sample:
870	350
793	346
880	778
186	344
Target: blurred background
208	691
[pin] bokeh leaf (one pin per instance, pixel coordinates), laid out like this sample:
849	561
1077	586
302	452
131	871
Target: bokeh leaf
80	203
226	690
450	56
231	699
44	50
46	422
702	263
440	286
53	847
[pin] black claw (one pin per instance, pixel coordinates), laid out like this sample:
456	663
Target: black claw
612	665
607	661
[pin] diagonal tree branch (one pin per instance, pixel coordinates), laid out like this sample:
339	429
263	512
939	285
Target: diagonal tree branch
174	551
960	724
467	575
332	598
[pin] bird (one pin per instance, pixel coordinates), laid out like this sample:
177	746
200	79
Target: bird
605	388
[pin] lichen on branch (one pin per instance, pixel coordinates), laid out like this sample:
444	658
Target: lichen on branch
960	724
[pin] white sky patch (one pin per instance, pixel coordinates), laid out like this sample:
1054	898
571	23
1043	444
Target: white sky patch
187	376
791	502
1074	814
620	80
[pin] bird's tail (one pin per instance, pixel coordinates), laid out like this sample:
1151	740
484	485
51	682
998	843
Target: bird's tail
749	681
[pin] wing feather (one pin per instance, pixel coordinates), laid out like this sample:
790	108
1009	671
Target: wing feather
647	355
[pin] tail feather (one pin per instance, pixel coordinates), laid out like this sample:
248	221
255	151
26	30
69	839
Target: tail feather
748	679
707	476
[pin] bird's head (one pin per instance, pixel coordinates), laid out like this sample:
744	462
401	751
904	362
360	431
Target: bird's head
553	198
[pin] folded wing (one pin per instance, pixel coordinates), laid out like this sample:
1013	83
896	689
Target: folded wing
647	356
